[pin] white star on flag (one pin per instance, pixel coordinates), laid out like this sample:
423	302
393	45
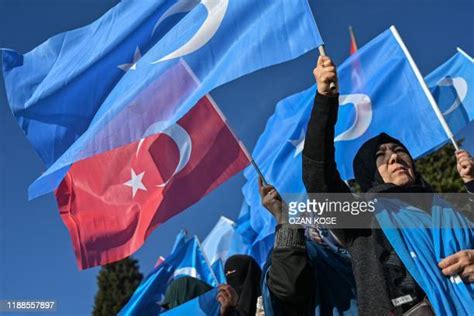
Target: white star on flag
298	143
136	182
133	64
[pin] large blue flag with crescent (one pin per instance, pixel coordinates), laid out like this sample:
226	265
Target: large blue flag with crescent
386	96
422	240
451	85
139	68
186	260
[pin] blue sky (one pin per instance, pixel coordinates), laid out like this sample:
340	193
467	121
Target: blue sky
36	257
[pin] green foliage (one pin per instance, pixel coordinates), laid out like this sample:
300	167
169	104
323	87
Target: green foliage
116	283
439	169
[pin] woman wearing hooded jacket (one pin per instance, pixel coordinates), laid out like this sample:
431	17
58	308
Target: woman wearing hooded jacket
381	165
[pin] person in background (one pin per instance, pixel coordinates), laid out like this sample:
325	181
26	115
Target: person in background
182	290
187	288
243	274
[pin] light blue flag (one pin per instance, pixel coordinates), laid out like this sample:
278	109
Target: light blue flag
204	305
218	269
180	240
254	247
187	260
452	86
223	241
278	154
421	241
139	68
194	263
385	96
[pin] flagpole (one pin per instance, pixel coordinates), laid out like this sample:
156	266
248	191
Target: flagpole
353	39
424	86
260	174
352	35
242	145
465	54
322	52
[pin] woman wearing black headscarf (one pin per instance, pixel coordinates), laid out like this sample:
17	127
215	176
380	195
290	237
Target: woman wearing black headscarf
382	164
243	274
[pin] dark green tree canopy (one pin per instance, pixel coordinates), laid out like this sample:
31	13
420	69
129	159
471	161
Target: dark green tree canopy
116	283
439	169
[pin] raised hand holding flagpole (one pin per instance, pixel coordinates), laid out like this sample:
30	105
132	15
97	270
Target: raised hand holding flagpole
322	52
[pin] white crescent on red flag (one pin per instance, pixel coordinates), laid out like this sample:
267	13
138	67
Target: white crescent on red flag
111	202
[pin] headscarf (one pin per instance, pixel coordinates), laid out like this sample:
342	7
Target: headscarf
184	289
243	274
367	174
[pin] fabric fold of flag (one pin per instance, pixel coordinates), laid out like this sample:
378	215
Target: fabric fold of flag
111	202
422	240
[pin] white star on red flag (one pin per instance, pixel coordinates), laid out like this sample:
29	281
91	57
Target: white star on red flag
136	182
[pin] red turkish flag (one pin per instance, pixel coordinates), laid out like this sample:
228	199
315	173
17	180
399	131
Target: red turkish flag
111	202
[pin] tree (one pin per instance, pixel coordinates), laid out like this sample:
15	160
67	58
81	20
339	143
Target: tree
116	283
439	169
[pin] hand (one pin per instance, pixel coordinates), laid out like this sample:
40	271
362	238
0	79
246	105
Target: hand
325	73
461	263
227	297
465	165
272	201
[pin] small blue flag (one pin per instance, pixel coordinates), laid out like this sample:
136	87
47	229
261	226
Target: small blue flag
186	260
223	241
218	268
180	240
451	85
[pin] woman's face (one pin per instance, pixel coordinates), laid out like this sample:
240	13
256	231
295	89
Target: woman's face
395	165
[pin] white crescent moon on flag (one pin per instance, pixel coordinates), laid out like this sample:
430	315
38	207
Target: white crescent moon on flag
460	85
363	117
179	7
183	141
216	10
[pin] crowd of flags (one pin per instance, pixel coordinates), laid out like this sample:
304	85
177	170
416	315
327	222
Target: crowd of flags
188	257
120	114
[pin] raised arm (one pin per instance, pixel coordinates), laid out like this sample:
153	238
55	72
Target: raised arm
319	165
290	277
